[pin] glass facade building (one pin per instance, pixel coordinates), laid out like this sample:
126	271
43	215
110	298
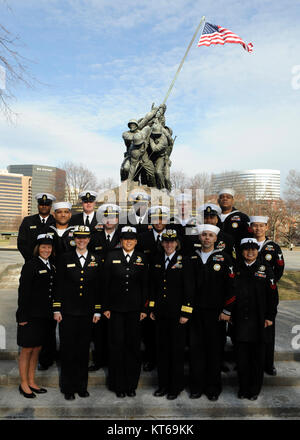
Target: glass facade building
44	179
260	184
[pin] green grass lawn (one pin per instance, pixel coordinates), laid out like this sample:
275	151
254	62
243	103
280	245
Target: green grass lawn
289	285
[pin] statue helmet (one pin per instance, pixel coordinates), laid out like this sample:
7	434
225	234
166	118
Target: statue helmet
133	121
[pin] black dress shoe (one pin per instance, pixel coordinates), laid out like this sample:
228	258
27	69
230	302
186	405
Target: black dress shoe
131	393
121	394
94	368
254	397
160	392
272	372
148	366
27	395
171	396
212	397
83	394
69	396
38	390
195	395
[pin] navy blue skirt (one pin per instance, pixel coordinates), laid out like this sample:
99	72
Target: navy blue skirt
34	333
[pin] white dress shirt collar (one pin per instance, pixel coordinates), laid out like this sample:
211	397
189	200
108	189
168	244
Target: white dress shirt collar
45	262
169	256
43	218
111	234
91	216
157	233
138	218
82	260
128	253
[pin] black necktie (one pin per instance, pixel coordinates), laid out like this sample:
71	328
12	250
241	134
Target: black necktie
43	221
167	262
108	238
87	222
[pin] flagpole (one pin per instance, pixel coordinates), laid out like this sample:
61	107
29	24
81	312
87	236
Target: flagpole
183	59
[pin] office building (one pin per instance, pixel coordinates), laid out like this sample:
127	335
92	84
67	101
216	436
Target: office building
15	200
260	184
44	179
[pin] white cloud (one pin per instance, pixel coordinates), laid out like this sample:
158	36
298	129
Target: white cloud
47	138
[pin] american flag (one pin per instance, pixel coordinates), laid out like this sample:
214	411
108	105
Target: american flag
213	34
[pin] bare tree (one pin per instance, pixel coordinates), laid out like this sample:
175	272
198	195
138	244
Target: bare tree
13	70
179	180
78	178
292	190
107	183
201	181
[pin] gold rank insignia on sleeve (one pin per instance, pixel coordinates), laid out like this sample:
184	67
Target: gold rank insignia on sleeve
151	303
56	304
187	309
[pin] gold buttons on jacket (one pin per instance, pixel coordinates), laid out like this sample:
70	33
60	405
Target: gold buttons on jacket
81	279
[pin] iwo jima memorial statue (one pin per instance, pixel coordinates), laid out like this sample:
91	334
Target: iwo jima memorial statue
149	144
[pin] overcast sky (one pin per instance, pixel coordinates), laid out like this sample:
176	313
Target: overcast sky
100	63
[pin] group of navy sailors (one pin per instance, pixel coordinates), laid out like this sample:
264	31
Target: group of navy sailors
173	285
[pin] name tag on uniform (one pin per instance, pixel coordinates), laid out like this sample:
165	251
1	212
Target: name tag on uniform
98	248
158	265
42	271
71	265
116	261
32	227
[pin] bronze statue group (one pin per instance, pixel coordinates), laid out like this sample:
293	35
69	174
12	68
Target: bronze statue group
147	289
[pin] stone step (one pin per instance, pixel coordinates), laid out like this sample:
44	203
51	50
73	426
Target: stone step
272	403
288	374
